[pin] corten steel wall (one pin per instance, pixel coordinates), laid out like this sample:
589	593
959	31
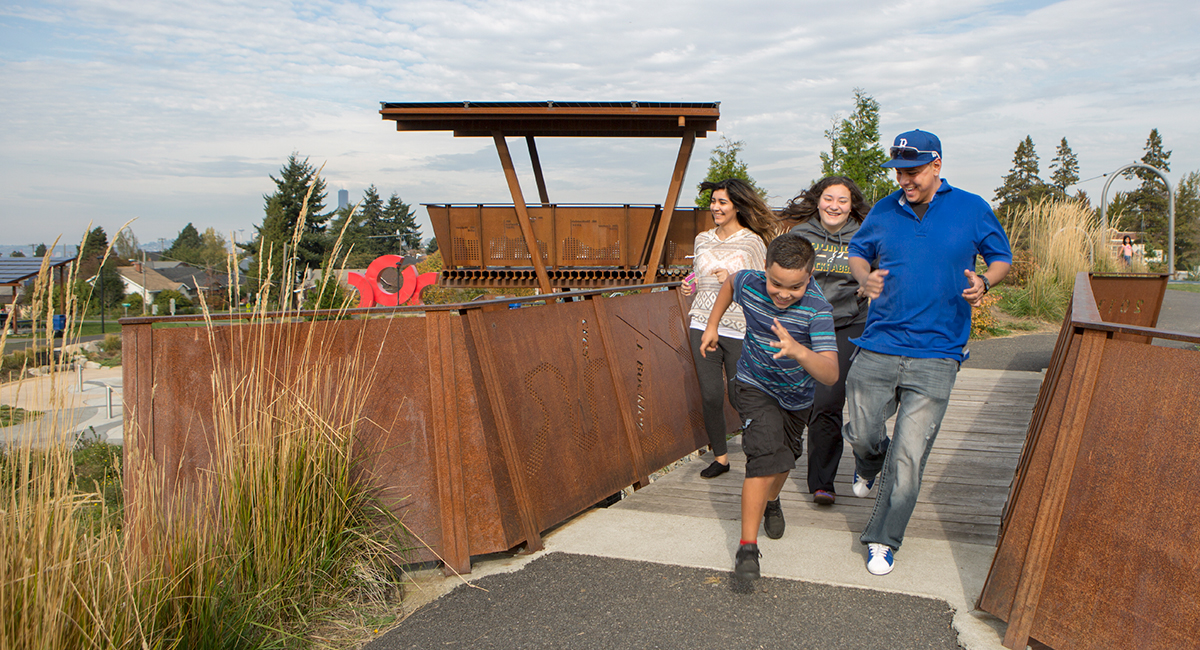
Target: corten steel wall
582	246
1098	543
485	425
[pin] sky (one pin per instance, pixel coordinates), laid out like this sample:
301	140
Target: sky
170	113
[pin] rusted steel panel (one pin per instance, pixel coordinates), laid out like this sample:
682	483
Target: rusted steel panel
556	389
581	245
1124	564
1094	551
1028	487
480	430
658	376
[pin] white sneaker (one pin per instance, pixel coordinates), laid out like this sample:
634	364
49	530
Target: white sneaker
880	559
862	487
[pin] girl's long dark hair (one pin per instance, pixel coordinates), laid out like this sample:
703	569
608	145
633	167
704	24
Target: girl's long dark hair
752	211
804	206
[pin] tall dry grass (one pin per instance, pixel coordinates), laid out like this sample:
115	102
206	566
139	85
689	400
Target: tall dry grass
1052	241
279	531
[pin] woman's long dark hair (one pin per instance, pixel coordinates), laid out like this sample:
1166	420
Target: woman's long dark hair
804	206
752	211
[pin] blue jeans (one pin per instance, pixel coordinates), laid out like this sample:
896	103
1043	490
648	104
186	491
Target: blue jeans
877	386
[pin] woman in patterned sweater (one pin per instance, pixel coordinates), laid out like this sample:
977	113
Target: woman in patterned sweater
744	226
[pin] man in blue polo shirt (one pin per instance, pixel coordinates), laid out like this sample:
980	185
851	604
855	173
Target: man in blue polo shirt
914	256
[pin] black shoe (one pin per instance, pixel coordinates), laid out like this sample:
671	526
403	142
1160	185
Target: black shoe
746	564
773	519
714	470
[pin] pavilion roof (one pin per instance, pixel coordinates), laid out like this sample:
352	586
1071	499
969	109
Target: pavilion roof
556	119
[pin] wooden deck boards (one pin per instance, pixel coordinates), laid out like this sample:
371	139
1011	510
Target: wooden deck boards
965	486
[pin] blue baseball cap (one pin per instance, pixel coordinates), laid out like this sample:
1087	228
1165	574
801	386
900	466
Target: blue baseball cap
913	149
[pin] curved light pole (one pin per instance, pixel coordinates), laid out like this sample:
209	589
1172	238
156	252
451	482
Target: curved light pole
1170	209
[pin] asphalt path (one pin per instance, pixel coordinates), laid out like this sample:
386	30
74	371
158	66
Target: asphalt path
563	600
1180	313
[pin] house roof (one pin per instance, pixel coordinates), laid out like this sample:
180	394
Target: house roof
150	279
16	270
195	277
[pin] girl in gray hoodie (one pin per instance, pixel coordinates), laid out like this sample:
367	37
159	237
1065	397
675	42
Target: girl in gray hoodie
828	214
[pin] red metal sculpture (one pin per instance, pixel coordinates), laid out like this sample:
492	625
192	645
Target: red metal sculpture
411	284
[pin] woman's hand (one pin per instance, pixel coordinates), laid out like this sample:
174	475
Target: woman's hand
721	274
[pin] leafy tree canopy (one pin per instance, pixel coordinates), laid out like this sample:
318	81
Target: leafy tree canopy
724	163
126	244
855	150
40	251
16	253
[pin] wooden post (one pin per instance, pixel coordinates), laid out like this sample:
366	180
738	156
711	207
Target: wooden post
664	224
514	186
537	171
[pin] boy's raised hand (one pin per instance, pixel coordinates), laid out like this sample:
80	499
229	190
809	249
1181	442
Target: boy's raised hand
788	347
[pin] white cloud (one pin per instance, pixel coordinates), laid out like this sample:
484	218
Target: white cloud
179	111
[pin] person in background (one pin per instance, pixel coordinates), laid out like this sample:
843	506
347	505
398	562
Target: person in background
827	215
744	225
1127	251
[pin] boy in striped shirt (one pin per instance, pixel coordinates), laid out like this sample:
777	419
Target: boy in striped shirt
789	344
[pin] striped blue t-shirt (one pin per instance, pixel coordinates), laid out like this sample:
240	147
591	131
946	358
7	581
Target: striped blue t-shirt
808	320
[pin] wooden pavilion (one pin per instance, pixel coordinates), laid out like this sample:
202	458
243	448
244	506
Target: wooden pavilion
579	246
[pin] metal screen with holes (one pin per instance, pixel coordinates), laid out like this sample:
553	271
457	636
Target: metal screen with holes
481	426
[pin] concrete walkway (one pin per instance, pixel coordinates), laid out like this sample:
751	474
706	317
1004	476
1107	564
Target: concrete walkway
72	403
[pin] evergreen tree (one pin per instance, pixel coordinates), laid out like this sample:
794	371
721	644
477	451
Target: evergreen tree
402	217
1187	222
724	163
1066	169
40	251
379	235
1022	184
186	247
95	243
432	246
1149	205
855	151
273	239
353	238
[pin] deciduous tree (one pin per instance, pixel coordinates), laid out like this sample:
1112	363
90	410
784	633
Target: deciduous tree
724	163
855	150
